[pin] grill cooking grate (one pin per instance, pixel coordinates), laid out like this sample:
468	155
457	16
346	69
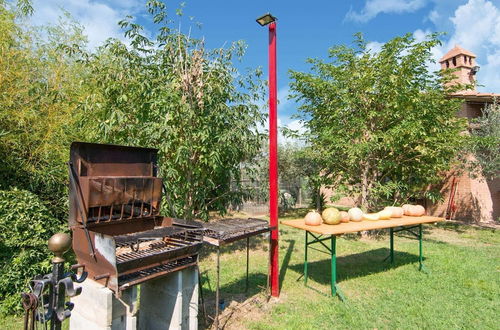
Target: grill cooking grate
234	229
166	268
142	248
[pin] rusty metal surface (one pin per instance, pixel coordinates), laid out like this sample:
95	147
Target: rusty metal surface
118	234
229	230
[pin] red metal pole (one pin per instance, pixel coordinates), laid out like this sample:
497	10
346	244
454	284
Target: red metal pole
273	161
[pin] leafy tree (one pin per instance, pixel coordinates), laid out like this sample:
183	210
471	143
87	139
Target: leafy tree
171	93
297	170
25	227
485	142
382	123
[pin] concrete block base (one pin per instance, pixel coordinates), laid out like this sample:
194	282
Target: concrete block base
172	301
98	308
168	302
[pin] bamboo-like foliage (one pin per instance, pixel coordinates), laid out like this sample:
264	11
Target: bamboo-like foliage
40	88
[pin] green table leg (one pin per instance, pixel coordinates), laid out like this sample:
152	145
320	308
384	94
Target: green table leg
334	266
420	257
421	253
392	245
305	259
335	290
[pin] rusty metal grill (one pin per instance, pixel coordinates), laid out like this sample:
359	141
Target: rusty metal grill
118	233
147	247
229	230
128	280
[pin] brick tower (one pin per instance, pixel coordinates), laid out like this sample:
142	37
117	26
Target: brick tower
465	63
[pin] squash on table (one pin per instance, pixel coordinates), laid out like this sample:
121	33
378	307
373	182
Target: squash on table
331	216
313	218
371	216
418	210
344	216
355	214
396	212
406	208
385	214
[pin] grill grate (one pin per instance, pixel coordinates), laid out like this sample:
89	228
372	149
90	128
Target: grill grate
147	247
167	267
234	229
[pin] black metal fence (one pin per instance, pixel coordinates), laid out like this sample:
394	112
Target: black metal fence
296	194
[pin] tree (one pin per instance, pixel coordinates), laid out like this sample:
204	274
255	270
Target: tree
382	123
485	142
173	94
40	90
297	169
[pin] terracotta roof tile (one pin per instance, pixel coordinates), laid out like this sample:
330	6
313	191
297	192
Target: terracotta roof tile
457	50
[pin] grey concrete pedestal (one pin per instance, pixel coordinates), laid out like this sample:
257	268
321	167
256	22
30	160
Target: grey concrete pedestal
168	302
97	308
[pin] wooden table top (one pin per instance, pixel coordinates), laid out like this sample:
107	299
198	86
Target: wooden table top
353	227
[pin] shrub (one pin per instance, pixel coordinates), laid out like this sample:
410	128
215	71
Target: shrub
25	226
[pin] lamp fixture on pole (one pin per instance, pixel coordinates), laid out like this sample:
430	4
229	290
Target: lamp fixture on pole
266	19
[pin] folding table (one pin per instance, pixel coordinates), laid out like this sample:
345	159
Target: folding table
324	232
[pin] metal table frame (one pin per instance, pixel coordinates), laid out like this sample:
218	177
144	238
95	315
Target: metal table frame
218	244
332	251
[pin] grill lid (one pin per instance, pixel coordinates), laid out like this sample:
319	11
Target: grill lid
112	183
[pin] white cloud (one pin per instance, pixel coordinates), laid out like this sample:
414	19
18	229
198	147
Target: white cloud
374	46
374	7
477	28
477	25
99	18
434	16
296	125
283	101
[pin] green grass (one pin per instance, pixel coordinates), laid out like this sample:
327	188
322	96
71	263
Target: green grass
11	322
461	291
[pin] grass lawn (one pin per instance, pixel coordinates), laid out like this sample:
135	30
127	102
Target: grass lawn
461	291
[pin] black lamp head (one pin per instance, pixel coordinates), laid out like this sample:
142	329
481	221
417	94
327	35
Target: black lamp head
266	19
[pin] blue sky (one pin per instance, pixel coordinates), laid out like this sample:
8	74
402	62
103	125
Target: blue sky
307	28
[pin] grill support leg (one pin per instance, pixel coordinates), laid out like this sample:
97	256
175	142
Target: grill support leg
200	286
217	290
248	258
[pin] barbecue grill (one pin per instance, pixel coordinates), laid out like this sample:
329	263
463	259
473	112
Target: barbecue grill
229	230
119	236
225	231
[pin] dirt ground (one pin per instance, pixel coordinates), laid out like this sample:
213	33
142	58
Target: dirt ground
238	309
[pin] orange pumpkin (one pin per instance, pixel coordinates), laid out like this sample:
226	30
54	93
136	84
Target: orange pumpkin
419	210
344	216
313	218
406	208
396	212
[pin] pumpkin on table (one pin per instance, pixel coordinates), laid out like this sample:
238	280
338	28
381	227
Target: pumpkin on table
313	218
